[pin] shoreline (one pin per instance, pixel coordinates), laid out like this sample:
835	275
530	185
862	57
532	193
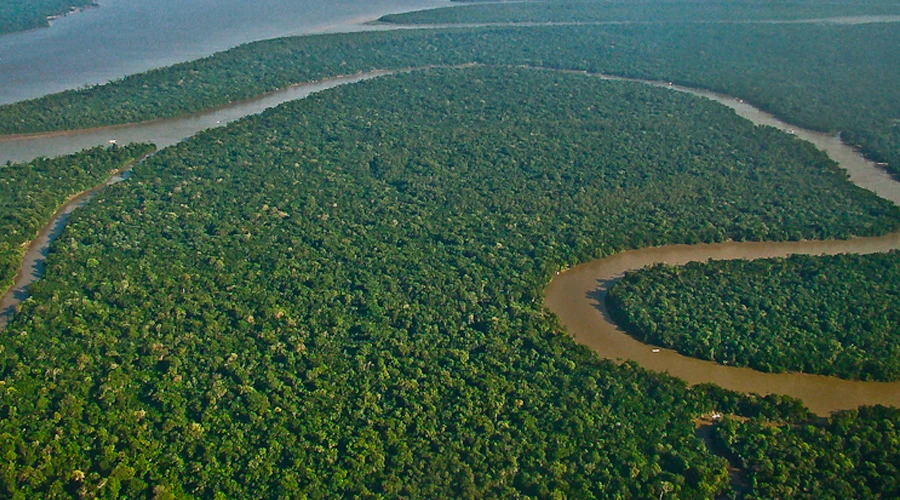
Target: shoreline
829	141
578	298
231	104
577	295
835	21
71	11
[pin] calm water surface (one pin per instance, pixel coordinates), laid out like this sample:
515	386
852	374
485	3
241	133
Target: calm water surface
122	37
578	296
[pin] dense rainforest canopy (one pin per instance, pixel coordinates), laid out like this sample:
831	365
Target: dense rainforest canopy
33	191
832	315
852	454
342	297
828	77
18	15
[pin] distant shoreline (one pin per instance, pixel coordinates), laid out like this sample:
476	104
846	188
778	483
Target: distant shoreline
72	10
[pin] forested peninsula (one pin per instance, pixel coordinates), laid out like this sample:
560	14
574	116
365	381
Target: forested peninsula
33	191
778	67
20	15
831	315
342	296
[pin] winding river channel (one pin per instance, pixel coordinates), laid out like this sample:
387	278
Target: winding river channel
577	295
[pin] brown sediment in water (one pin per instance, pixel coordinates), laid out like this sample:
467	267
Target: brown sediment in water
578	295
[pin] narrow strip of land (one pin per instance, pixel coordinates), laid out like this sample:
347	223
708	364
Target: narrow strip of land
840	20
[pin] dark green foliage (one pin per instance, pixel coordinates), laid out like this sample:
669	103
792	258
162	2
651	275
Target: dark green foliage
31	193
853	454
342	296
18	15
834	315
644	12
777	67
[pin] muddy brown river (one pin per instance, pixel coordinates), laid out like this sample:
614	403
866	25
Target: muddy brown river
578	295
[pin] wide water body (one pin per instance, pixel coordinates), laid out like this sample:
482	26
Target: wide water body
122	37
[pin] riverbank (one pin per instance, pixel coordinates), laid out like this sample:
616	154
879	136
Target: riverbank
258	272
71	11
163	132
92	48
578	295
840	20
36	250
33	16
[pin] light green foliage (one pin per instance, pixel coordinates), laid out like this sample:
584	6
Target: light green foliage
31	193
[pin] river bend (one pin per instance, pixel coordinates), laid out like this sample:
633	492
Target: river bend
578	296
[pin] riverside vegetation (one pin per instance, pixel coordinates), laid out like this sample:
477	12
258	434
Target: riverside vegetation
342	297
373	328
18	15
33	191
778	67
587	11
852	454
